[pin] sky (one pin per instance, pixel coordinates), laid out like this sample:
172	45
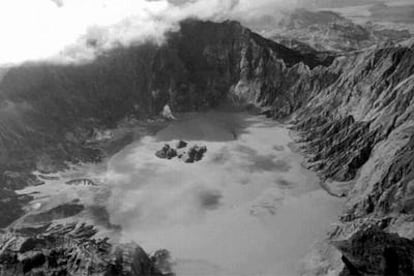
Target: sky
40	29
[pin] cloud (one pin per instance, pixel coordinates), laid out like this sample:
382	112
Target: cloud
34	30
39	29
58	3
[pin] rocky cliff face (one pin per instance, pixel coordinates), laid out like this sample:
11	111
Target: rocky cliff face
358	131
355	120
71	250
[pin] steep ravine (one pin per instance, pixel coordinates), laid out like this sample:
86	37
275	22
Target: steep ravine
359	131
354	114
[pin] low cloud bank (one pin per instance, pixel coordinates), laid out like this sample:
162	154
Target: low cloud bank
72	29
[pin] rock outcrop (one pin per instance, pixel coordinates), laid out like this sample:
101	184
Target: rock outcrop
374	252
56	213
166	152
82	182
192	154
181	144
72	250
11	206
167	113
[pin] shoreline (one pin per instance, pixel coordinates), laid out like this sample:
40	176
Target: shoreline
294	147
252	193
126	132
130	131
137	130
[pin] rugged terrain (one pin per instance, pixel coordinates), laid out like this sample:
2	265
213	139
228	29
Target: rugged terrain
361	131
312	31
353	112
72	250
51	112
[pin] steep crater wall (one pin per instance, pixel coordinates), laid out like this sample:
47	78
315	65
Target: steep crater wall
51	109
354	113
49	112
359	131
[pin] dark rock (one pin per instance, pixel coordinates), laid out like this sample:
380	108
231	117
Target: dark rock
11	206
162	153
194	154
72	250
162	260
36	260
18	180
33	231
59	212
47	177
81	181
171	153
181	144
32	243
375	252
166	152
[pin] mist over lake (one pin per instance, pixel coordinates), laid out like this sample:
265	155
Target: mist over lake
244	196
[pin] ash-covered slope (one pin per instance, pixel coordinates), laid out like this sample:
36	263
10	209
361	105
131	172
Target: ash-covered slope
311	31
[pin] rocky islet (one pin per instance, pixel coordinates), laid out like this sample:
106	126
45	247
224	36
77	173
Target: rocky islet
188	154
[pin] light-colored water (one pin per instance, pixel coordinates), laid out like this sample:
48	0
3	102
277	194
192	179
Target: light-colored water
248	208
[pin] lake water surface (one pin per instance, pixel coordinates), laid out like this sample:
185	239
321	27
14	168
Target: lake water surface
248	208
